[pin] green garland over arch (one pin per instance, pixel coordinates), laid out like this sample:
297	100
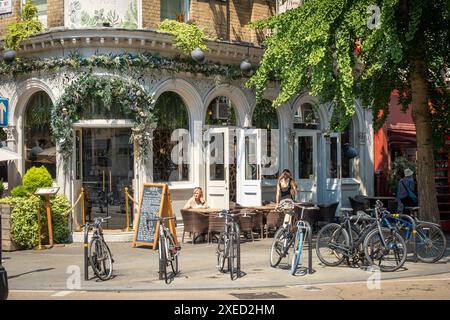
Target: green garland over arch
133	100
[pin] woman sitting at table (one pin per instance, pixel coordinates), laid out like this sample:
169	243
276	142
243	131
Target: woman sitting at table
197	200
286	186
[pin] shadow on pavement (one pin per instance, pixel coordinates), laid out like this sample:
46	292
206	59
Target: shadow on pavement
33	271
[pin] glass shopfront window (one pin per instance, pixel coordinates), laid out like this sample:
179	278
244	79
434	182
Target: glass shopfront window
172	115
347	164
39	144
265	117
221	112
305	117
305	157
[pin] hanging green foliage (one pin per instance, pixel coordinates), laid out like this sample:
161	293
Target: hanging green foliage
130	64
27	26
132	99
188	36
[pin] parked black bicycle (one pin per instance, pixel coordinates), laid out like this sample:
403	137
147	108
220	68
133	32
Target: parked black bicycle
373	244
229	245
167	248
99	255
285	235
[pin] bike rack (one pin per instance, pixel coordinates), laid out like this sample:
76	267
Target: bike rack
86	253
309	269
413	223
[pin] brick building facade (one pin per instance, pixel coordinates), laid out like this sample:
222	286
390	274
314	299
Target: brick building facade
224	20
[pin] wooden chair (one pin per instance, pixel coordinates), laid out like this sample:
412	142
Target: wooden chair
246	223
258	223
194	223
274	219
311	216
215	225
327	212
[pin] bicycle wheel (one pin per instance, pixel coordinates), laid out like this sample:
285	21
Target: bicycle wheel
298	246
332	240
172	257
220	252
277	248
389	257
100	259
162	257
430	242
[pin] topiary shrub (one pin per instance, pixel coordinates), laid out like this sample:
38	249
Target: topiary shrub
24	226
24	220
19	191
60	219
37	177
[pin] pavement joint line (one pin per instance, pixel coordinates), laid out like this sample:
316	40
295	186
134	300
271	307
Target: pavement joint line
365	281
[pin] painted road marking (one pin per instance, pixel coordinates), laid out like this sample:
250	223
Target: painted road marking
62	293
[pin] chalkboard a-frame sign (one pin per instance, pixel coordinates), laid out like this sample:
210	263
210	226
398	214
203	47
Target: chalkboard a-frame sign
154	202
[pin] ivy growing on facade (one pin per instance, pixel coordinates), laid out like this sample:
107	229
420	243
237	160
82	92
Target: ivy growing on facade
134	101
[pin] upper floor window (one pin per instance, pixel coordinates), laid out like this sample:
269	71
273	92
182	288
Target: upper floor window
91	14
175	10
42	10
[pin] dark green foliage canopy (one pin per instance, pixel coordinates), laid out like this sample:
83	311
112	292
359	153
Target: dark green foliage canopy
335	49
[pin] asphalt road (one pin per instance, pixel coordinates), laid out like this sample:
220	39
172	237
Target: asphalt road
58	274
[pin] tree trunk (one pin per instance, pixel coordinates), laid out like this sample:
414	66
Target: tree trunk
422	119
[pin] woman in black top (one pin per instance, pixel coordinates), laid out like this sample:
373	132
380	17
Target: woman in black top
286	186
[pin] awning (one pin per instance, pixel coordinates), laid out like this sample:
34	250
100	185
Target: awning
7	155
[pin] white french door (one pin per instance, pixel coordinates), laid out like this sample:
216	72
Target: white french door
217	167
249	167
305	164
333	168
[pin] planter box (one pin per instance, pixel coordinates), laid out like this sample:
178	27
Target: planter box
445	224
7	243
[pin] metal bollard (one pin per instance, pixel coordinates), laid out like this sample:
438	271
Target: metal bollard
83	215
86	253
127	217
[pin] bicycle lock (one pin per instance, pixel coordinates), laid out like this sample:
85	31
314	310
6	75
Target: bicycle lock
413	231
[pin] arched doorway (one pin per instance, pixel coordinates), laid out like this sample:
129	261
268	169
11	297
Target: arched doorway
172	131
39	144
104	162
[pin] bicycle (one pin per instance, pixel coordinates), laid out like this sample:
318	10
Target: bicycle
284	236
430	240
99	255
374	244
167	249
229	246
303	230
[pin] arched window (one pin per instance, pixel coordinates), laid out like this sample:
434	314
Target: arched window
221	111
172	115
39	144
265	117
305	117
